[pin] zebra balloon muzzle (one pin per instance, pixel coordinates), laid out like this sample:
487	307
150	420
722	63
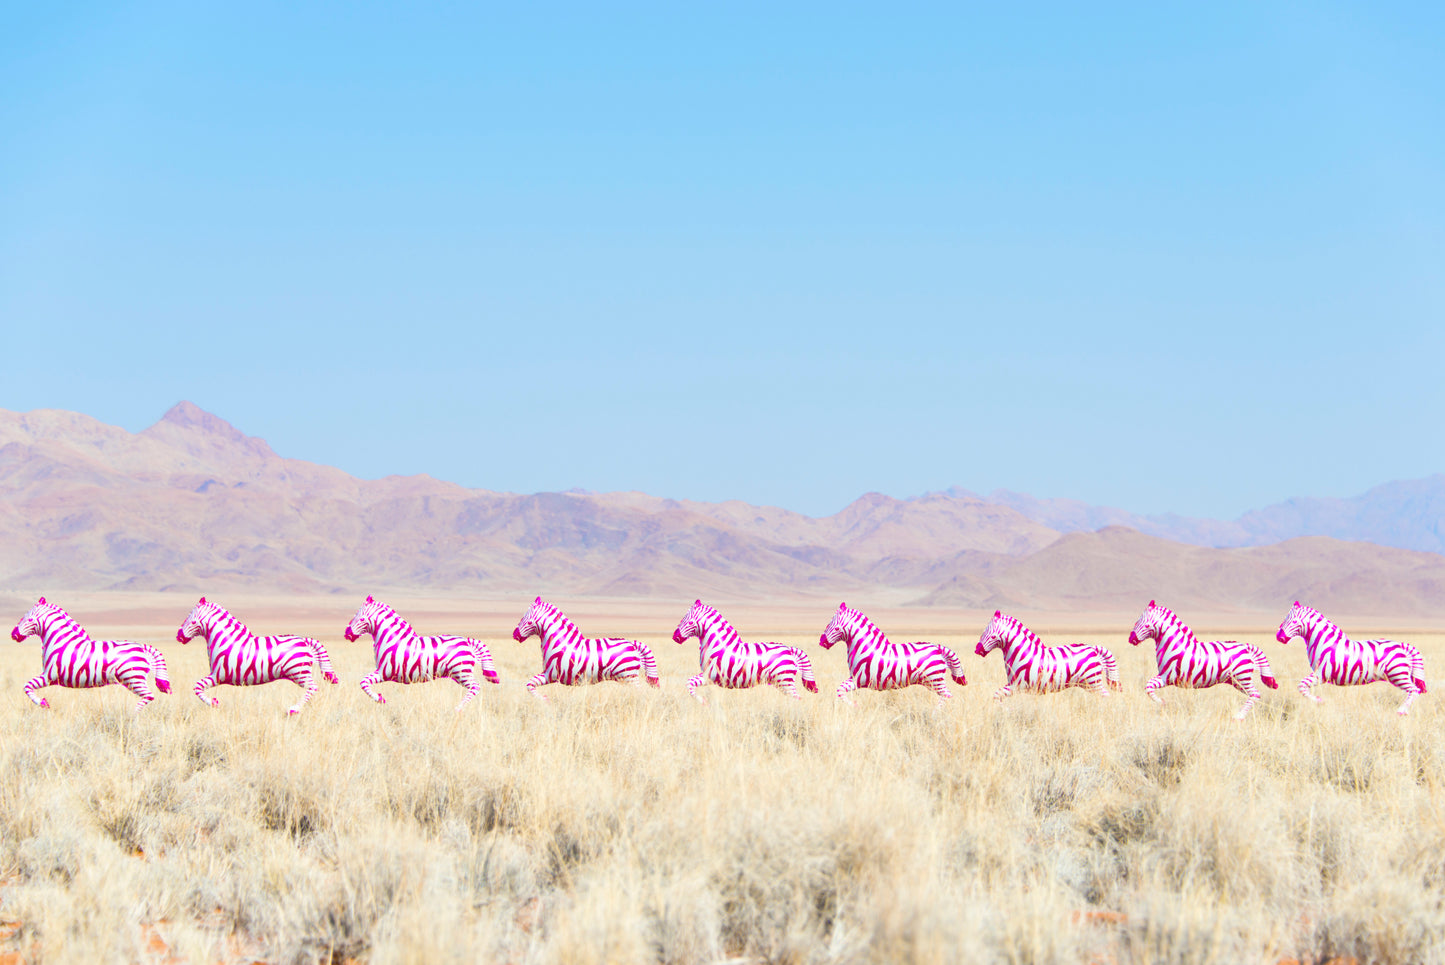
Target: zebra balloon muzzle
677	637
980	650
16	635
350	635
181	637
1279	635
1134	638
517	635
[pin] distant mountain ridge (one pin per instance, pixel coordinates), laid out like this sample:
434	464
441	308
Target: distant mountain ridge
193	504
1408	514
192	500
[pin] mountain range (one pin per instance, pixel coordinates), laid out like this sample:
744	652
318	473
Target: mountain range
1409	514
191	503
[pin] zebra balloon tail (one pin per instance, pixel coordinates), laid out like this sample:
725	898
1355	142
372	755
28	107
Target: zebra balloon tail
484	661
318	651
805	670
1266	672
1111	667
955	666
649	663
158	666
1417	669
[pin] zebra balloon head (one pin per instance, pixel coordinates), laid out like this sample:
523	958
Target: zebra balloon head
195	623
531	622
1148	626
33	620
995	636
1295	624
365	621
690	625
837	628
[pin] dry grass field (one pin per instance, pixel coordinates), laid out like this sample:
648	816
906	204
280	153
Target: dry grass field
628	825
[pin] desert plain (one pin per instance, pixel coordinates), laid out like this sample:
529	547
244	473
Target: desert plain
625	824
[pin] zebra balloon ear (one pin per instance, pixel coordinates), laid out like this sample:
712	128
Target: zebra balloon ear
842	606
538	600
203	599
1152	603
998	613
1296	602
697	603
42	599
369	599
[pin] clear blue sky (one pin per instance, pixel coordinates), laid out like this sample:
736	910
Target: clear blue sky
1137	255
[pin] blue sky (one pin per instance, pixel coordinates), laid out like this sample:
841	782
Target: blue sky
1163	259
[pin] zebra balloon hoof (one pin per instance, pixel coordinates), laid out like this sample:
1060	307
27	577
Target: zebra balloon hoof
292	712
654	682
331	678
215	701
380	699
44	704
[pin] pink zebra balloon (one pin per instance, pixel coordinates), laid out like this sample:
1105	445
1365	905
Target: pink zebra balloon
239	658
405	657
1336	659
1039	669
69	657
570	659
1186	661
729	662
875	663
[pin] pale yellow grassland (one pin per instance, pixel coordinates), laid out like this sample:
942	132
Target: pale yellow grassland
626	824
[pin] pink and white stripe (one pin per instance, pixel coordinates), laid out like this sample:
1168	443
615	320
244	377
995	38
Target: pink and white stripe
404	656
1186	661
240	658
70	657
878	664
729	662
570	659
1040	669
1336	659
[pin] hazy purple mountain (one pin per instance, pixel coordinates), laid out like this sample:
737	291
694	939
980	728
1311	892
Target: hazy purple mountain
193	504
1409	514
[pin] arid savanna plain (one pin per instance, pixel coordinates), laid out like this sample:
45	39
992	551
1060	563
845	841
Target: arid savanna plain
624	824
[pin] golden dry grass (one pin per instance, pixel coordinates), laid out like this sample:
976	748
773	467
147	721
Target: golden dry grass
628	825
